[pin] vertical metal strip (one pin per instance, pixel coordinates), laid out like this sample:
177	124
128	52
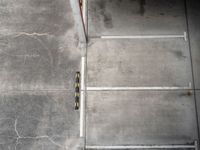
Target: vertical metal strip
85	4
196	145
78	20
82	99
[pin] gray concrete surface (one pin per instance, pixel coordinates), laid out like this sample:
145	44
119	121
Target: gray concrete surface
140	62
194	24
130	17
198	104
39	56
38	121
38	45
151	117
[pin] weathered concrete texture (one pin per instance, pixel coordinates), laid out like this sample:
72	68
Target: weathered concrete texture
38	45
194	28
130	17
145	117
40	16
139	62
38	51
38	121
198	104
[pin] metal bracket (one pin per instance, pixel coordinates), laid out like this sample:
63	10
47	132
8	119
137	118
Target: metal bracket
77	90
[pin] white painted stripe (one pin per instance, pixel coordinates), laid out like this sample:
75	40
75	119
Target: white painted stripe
196	145
142	147
189	87
82	99
184	35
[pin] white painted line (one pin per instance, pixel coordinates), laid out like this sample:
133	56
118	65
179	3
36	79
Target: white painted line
142	147
82	99
189	87
196	145
184	35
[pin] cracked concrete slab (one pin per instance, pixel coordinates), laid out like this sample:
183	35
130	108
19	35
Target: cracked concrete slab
39	49
40	16
30	62
139	62
130	17
39	56
38	119
140	117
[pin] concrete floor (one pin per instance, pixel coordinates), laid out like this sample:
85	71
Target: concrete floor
129	17
139	62
139	117
194	23
39	56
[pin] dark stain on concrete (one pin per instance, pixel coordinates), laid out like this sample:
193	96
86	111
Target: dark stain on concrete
108	20
187	93
142	8
179	54
132	1
101	4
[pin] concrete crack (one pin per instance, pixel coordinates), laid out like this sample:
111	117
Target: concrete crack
32	34
17	34
30	137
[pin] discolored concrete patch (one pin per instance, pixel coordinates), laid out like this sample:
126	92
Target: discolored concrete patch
132	17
